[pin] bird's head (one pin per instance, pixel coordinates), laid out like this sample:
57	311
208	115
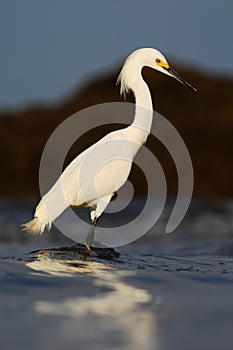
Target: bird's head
147	57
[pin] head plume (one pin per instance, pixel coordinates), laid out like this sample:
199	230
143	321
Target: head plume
130	74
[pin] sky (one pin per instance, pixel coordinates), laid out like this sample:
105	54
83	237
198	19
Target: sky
50	46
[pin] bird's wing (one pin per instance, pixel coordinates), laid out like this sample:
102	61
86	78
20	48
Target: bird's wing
98	171
102	165
94	174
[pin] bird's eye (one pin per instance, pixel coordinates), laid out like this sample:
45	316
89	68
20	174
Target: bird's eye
158	60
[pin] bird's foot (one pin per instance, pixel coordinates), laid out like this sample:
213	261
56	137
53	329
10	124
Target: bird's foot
87	246
93	245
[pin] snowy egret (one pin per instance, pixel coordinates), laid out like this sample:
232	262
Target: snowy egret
110	159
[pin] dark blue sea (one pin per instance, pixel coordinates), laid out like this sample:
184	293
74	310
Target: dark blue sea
161	292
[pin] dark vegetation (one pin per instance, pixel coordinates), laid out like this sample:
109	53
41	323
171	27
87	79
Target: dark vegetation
204	120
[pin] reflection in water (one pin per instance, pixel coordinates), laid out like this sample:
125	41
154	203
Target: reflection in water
117	304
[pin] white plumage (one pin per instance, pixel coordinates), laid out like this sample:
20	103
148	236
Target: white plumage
93	177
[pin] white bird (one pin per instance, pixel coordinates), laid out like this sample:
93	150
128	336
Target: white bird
93	177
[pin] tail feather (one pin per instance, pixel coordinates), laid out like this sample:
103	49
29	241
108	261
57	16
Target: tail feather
48	209
36	226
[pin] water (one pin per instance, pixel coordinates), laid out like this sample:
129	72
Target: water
161	292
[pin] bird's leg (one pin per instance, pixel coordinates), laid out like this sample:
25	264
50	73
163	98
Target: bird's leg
90	236
95	214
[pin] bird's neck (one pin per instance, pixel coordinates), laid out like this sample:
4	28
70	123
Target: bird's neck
131	79
144	109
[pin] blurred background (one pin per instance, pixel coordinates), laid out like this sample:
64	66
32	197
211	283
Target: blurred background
58	58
